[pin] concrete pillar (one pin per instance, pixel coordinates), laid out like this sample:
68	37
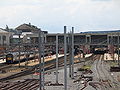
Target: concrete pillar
86	39
1	39
45	38
108	42
90	39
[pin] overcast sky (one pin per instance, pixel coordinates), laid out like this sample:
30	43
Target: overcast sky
52	15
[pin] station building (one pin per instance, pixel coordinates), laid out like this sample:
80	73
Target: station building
84	40
4	37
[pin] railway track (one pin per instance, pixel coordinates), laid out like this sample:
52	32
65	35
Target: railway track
4	66
48	66
89	62
103	80
29	84
107	82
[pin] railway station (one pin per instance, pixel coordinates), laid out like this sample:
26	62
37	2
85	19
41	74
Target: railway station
34	59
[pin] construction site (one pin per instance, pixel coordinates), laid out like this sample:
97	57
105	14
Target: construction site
40	60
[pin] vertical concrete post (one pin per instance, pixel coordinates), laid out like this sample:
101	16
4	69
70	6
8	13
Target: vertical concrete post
113	45
65	60
45	38
1	39
43	60
86	41
108	40
19	48
118	51
72	57
40	70
57	59
69	39
90	39
111	42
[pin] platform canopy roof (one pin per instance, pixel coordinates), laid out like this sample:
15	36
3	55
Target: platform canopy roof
110	31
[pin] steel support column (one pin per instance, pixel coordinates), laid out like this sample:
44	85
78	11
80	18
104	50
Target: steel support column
65	60
72	56
40	70
118	51
43	60
57	59
19	49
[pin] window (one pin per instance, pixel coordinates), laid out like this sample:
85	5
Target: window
4	38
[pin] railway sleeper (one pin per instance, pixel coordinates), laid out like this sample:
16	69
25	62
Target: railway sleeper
34	87
14	85
27	85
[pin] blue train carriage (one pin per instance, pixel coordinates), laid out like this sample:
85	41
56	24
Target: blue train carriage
9	58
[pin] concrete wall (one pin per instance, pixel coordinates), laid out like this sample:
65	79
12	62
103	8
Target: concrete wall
4	39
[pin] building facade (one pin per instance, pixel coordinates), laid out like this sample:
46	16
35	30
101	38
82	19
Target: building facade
4	37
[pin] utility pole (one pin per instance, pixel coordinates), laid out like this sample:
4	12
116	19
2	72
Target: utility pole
57	59
40	70
65	60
